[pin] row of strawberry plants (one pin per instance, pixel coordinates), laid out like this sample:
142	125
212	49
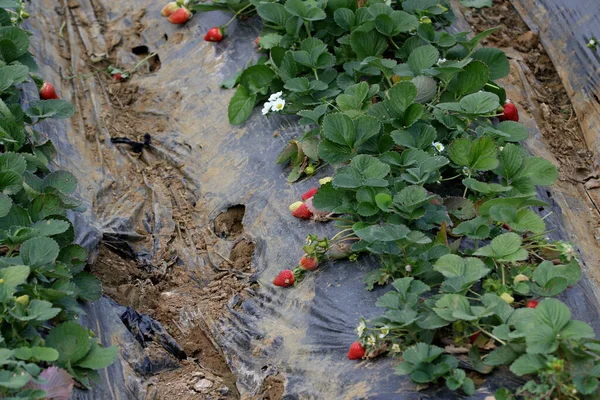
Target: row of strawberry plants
43	347
431	177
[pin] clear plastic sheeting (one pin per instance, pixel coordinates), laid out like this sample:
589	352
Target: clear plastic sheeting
301	333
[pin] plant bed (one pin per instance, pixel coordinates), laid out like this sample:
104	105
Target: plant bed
192	172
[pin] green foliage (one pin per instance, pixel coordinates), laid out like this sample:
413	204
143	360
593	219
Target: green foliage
40	269
427	180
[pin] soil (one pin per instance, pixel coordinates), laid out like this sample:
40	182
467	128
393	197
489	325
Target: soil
557	119
228	224
151	190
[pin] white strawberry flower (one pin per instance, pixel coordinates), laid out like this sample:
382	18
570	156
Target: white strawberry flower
360	329
267	108
408	268
277	105
396	348
384	332
371	341
275	96
466	171
441	61
592	42
438	146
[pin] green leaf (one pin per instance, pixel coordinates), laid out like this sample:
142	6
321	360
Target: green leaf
501	356
63	181
12	162
485	188
383	233
269	40
42	310
472	79
5	205
12	75
90	288
477	155
422	353
364	170
480	103
553	313
368	44
505	247
575	330
476	3
240	106
60	109
418	136
71	340
422	58
273	12
15	275
15	43
496	61
40	251
401	96
528	364
99	357
426	88
345	19
10	182
257	79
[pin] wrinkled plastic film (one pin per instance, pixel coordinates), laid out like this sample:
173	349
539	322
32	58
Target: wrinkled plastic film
302	333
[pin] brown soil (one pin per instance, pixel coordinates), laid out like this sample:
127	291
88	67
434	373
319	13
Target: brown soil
228	224
179	287
557	119
272	388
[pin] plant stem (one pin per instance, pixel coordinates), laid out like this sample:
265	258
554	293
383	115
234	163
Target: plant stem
491	335
307	29
141	62
236	14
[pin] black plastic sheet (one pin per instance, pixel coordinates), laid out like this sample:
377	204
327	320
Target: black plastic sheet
302	333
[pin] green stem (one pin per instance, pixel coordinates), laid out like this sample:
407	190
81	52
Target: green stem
449	179
307	29
236	14
491	335
132	70
316	75
394	43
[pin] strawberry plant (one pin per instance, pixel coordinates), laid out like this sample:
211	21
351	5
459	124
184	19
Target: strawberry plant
430	177
42	277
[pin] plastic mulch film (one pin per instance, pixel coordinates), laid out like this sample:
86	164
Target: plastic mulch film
200	163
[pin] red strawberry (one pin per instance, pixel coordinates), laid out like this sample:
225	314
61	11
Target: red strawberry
474	337
284	279
532	303
118	76
47	92
180	16
214	34
308	263
169	9
256	41
510	112
356	351
302	212
310	193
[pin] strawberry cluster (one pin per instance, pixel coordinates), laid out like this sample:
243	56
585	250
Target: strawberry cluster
176	12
